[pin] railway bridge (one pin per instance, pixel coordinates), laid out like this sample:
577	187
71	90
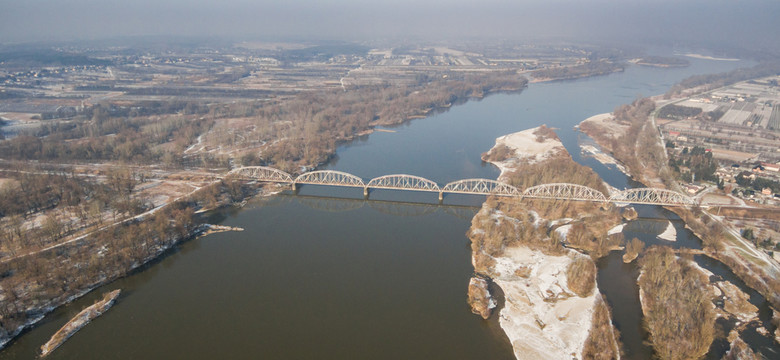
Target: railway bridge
554	191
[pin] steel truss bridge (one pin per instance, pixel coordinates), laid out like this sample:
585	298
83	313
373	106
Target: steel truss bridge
555	191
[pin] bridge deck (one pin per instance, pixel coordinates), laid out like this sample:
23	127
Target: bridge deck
556	191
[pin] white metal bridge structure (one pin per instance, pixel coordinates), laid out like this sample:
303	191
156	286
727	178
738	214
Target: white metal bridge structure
555	191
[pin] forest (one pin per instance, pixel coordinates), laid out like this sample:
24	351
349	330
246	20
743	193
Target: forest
679	313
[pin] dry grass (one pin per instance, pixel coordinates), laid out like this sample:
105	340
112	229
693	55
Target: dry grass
603	340
499	153
543	133
634	248
581	276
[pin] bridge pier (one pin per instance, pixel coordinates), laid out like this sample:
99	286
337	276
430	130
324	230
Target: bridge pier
365	192
441	196
292	186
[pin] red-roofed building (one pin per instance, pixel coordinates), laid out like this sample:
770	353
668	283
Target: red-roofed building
770	167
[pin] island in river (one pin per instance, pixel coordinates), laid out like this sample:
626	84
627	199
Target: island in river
541	254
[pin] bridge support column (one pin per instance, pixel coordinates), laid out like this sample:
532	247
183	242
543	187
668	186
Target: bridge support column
292	187
365	192
441	196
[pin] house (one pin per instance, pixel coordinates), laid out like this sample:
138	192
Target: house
770	167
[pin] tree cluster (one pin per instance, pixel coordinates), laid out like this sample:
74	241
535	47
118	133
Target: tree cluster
591	68
759	183
679	314
678	112
700	162
31	285
103	136
714	81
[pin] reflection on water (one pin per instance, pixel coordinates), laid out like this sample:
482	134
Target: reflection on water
298	283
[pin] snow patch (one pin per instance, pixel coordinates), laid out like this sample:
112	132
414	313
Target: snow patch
616	230
602	157
542	317
670	234
527	150
563	231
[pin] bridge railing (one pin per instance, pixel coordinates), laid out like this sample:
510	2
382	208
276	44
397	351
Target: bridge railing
329	177
481	186
403	182
560	191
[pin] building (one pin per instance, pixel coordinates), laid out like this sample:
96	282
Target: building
771	167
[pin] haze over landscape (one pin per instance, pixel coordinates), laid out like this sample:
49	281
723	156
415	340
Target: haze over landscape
695	22
390	179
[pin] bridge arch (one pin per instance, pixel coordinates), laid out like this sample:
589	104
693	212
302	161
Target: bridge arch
329	177
262	173
564	191
403	182
652	196
481	186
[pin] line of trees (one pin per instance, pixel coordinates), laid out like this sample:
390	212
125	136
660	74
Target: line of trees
591	68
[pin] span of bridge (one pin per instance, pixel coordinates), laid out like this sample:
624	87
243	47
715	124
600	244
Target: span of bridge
554	191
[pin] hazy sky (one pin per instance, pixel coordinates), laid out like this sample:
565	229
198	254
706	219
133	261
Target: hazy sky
696	20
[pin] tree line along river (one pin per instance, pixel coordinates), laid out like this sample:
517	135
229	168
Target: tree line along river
317	277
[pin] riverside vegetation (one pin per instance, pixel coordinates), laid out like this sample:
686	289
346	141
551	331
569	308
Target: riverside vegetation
34	285
681	322
679	313
57	242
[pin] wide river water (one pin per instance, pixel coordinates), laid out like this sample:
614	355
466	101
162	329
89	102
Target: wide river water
313	277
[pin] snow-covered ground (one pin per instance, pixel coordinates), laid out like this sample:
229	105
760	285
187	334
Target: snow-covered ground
669	234
616	230
602	157
527	150
542	317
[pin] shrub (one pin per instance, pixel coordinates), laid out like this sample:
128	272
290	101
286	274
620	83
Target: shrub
581	276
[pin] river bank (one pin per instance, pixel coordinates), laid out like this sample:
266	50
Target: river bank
634	122
122	249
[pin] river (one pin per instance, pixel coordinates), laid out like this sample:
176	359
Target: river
314	277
